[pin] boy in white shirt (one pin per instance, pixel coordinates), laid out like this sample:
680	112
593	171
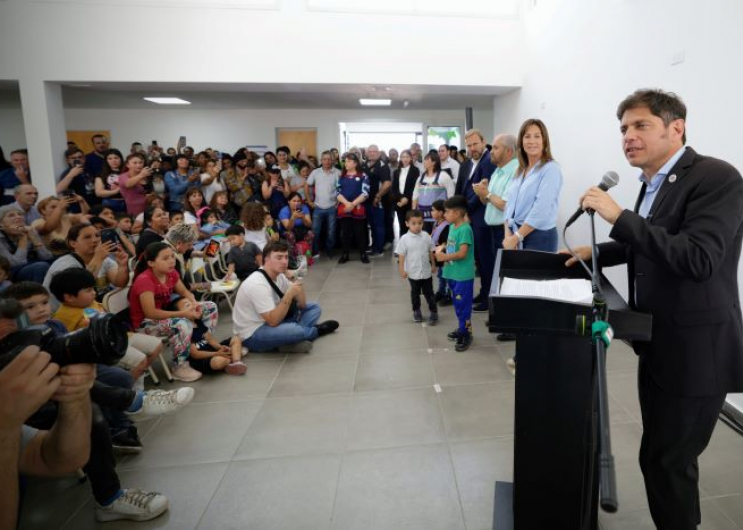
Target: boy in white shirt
417	264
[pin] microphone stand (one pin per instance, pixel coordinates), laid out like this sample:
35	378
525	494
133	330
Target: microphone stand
601	335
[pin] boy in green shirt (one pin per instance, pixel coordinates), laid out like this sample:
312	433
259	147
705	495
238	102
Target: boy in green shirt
458	257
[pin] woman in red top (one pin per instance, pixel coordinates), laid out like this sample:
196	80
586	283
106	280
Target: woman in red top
151	306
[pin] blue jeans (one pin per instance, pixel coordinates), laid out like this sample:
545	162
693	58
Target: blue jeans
321	217
290	331
461	293
118	378
376	222
545	240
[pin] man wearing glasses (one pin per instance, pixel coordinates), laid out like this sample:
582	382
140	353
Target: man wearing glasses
75	181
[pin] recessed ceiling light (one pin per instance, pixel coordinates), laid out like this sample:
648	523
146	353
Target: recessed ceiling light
80	85
375	102
168	101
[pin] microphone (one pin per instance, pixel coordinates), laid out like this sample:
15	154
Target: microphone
609	180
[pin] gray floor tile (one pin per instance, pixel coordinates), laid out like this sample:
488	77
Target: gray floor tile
356	298
411	488
478	411
346	340
188	488
391	295
393	370
49	502
220	388
200	433
345	314
297	425
393	337
276	494
477	466
712	519
621	357
721	465
394	418
315	375
625	445
380	315
345	285
732	507
622	387
476	365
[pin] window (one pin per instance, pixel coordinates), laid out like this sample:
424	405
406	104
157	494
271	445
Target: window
444	135
386	135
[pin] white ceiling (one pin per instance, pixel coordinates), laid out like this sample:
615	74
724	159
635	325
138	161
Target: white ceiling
267	96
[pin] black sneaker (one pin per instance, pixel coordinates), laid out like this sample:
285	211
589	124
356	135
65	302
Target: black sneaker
417	316
453	335
480	308
433	319
445	301
127	442
505	337
343	259
463	341
364	258
327	327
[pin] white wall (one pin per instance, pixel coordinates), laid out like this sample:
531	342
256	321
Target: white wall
585	57
12	132
200	41
228	130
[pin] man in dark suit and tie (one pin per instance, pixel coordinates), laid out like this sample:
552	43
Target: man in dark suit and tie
478	167
682	245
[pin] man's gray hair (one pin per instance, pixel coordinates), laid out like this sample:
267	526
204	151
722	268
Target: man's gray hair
508	141
181	234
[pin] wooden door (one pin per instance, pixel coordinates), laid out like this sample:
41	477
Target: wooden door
296	139
83	138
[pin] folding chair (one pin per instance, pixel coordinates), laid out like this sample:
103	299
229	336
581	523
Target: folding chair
219	286
117	302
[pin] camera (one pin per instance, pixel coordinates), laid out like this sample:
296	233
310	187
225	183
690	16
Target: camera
104	341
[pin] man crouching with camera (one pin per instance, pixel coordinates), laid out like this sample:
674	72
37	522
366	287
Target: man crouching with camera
26	383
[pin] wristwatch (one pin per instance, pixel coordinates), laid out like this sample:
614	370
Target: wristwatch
487	197
519	236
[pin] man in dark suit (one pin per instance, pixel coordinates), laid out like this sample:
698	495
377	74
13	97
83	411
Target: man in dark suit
478	167
380	182
682	245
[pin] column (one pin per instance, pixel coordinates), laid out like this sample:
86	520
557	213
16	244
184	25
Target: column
46	134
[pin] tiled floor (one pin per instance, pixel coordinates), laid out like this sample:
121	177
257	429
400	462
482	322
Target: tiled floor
356	436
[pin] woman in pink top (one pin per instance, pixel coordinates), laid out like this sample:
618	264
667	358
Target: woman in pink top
153	312
131	183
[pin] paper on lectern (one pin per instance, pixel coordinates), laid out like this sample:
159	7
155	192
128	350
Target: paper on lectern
565	290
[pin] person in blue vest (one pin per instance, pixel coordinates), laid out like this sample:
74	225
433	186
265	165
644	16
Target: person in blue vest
353	191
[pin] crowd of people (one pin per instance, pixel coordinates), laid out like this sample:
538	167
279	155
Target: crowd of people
138	221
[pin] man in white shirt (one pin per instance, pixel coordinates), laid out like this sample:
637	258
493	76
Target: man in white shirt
272	312
448	164
324	202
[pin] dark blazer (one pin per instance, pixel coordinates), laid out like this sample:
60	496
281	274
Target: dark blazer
484	170
682	263
413	176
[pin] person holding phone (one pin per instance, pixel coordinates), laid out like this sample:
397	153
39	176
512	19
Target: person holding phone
76	181
108	262
132	183
22	246
56	221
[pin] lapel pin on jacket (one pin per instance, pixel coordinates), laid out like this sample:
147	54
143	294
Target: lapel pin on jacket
672	178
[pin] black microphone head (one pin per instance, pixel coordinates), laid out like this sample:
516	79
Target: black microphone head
609	180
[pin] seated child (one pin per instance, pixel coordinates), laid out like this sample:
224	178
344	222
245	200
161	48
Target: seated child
176	218
211	226
4	273
76	293
417	264
206	354
244	257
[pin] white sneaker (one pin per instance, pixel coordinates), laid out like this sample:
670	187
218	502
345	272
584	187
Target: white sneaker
511	364
244	351
133	505
184	372
158	402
